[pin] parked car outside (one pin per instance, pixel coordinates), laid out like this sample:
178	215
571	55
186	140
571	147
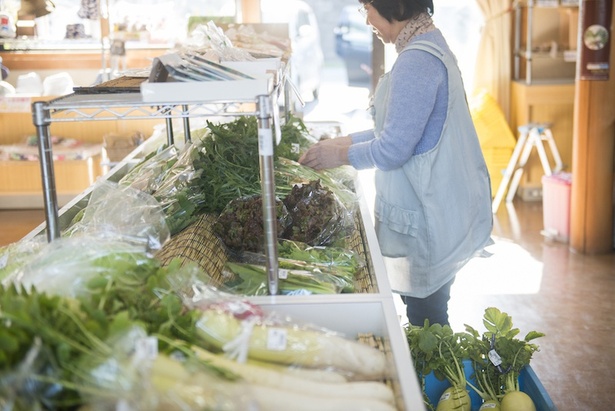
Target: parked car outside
307	57
353	43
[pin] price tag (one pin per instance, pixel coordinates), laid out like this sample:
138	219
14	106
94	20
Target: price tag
282	273
265	142
276	339
145	349
495	358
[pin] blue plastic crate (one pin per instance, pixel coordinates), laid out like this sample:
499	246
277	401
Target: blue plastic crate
528	382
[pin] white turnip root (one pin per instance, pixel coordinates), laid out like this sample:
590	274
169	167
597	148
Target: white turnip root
454	398
490	405
517	401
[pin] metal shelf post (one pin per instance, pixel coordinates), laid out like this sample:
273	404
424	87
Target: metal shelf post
265	149
40	117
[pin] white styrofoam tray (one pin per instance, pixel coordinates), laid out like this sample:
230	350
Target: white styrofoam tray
206	91
353	315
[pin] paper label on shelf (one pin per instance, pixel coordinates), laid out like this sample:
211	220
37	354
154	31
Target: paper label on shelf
276	339
15	104
265	142
282	273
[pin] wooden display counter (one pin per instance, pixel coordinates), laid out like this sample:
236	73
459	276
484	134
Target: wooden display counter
34	60
20	181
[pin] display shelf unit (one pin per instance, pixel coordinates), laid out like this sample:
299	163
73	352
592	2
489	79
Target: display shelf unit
340	312
545	42
543	84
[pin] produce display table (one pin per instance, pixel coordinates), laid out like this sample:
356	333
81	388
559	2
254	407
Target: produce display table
375	308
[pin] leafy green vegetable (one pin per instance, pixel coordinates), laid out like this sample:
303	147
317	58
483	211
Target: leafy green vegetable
498	355
251	279
295	139
317	216
436	348
240	225
135	292
343	262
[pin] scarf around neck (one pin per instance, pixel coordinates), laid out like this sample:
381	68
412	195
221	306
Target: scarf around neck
420	24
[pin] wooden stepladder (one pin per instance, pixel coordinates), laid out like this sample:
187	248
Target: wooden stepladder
530	136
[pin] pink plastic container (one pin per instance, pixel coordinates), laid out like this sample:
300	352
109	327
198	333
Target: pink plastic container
556	206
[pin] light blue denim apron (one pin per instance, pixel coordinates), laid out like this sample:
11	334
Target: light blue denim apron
434	213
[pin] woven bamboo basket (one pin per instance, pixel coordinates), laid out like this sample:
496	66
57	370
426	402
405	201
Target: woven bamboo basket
199	244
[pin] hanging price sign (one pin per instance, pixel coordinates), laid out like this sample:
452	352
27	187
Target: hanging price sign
594	59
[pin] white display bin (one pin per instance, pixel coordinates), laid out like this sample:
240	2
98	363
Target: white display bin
353	315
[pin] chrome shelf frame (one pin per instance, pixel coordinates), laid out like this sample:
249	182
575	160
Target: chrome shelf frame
78	107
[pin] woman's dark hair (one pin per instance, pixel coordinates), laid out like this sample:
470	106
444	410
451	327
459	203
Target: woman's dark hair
400	9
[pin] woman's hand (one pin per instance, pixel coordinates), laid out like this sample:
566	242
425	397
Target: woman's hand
327	153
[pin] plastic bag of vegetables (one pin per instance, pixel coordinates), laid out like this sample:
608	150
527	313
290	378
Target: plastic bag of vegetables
303	269
123	214
341	261
294	278
66	265
339	180
16	255
147	175
317	216
240	225
244	330
136	376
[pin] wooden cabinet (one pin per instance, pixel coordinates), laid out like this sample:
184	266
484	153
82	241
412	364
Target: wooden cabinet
544	103
545	42
543	84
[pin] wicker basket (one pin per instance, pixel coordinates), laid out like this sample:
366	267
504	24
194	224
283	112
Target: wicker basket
198	244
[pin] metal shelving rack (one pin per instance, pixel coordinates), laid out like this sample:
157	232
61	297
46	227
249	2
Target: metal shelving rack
526	51
78	107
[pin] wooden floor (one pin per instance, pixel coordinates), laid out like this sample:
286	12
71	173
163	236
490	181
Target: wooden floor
540	283
16	224
546	287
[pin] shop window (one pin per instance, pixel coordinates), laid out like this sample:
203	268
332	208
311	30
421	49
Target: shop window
461	22
140	20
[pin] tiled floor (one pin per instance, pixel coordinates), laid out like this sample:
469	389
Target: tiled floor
541	284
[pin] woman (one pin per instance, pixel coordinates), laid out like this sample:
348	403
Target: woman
433	195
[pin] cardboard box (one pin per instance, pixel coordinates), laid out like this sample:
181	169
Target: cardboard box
117	146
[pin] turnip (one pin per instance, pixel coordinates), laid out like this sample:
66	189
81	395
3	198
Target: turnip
454	398
498	358
437	348
490	405
517	401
